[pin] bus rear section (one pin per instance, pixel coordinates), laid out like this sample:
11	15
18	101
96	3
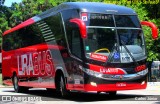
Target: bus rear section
77	47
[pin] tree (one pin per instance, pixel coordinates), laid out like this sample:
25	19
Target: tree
4	14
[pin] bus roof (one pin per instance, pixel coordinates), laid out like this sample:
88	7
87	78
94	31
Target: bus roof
100	7
93	7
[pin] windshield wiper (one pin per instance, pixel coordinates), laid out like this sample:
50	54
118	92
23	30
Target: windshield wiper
135	62
110	57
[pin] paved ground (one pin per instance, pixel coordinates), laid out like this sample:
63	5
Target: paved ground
123	97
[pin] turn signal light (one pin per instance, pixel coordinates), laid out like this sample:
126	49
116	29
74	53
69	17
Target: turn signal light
140	68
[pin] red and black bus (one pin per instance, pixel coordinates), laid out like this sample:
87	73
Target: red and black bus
77	46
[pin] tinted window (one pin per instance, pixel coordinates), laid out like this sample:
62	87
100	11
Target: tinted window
30	35
127	21
8	42
75	43
53	31
27	36
69	14
48	30
73	35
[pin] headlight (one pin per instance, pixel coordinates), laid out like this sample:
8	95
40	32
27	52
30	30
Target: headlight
143	72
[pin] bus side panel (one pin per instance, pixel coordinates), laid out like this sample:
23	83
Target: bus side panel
7	67
36	67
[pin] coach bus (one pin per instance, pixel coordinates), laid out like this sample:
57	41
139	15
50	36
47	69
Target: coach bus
77	46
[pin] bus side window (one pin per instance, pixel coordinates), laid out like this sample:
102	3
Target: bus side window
7	43
75	43
54	23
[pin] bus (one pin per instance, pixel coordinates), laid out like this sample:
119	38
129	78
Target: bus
77	46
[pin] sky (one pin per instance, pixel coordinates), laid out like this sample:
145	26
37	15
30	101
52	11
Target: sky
9	2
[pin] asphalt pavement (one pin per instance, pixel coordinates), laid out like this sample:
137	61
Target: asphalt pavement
150	95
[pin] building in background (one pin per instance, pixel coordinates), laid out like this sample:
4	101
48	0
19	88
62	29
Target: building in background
2	2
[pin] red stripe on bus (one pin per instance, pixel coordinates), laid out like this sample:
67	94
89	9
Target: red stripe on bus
113	87
42	46
31	84
23	24
107	70
37	84
107	87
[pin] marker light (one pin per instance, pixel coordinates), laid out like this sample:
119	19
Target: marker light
143	82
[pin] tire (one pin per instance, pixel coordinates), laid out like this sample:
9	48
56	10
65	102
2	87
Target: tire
112	93
62	87
18	88
98	92
49	90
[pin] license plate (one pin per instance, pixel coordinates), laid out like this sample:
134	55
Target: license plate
121	84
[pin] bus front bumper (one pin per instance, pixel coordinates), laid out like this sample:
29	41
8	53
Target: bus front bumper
114	87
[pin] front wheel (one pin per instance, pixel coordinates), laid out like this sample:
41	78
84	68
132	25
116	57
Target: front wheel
62	87
49	90
112	93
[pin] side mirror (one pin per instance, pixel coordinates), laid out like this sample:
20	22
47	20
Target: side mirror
153	27
81	25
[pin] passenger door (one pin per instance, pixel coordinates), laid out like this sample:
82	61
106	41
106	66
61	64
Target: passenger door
75	46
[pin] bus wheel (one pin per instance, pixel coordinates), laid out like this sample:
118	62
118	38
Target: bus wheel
49	90
18	88
98	92
112	93
62	87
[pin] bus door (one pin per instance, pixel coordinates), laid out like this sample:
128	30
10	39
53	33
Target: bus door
76	80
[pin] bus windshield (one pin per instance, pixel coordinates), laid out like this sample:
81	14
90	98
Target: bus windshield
106	32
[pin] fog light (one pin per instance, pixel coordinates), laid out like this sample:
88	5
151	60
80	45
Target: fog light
93	84
143	82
